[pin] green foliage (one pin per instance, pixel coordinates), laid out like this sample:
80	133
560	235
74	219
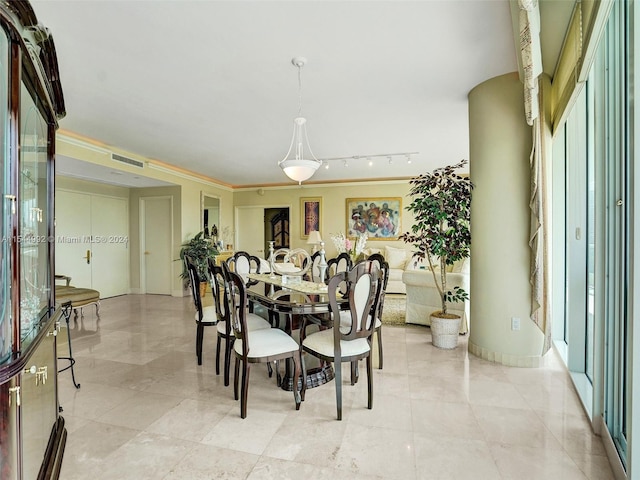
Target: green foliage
198	249
441	205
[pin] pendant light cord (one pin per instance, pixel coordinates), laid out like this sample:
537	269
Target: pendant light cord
299	91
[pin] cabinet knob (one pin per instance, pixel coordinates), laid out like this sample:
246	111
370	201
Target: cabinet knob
41	375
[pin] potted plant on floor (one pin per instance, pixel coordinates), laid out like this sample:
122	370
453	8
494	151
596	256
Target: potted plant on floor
198	250
441	205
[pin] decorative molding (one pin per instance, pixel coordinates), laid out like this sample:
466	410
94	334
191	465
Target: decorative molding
341	183
187	175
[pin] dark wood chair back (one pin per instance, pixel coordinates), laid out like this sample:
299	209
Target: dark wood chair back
364	286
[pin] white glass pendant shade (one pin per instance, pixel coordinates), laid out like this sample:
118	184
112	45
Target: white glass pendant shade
295	166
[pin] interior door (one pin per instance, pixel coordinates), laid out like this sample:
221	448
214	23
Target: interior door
92	241
156	232
73	237
250	230
110	246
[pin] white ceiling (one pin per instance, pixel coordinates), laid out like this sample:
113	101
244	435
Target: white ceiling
209	85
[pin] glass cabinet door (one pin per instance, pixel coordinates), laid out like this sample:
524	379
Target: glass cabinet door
8	205
33	241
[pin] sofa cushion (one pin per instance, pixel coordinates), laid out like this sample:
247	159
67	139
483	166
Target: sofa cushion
395	275
396	257
370	251
462	266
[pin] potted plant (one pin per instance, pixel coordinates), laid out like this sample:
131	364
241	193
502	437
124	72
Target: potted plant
441	205
199	250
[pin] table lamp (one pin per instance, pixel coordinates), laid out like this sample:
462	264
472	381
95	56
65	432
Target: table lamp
314	239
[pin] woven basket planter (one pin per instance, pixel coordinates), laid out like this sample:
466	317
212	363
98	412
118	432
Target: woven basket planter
445	331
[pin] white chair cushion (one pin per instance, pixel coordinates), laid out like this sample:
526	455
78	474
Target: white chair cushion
208	314
264	343
254	322
322	342
222	328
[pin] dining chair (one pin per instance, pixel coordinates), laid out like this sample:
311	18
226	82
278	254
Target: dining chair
341	263
256	346
205	316
383	266
243	263
224	330
349	338
314	271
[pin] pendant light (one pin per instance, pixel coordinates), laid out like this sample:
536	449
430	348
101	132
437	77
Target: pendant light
295	165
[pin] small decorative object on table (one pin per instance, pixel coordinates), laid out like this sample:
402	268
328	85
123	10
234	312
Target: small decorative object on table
353	247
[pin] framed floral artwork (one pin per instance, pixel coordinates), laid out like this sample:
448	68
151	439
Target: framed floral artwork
379	217
310	215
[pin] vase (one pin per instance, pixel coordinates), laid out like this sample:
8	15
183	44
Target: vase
445	330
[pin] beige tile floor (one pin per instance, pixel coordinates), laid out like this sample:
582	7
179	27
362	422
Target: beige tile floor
146	410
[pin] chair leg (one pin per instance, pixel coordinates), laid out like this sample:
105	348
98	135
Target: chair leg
218	344
303	390
296	375
236	377
380	356
245	389
199	335
227	360
354	372
337	366
370	382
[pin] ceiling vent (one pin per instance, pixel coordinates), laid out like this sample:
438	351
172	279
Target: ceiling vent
128	161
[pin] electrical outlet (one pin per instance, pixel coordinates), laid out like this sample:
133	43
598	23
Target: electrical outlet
515	323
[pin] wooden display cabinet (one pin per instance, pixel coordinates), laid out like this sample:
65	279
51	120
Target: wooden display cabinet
32	433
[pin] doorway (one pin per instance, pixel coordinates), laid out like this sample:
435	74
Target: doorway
255	226
156	232
92	241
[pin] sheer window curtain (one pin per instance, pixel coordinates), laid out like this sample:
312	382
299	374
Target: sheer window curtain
531	56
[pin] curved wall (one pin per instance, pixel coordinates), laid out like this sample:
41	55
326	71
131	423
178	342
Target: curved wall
499	147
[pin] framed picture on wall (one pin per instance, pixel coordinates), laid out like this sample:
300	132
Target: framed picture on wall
378	217
310	215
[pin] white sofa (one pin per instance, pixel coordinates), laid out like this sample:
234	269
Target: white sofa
423	297
399	260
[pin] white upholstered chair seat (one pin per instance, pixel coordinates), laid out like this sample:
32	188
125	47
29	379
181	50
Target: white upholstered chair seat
254	322
208	314
322	343
266	343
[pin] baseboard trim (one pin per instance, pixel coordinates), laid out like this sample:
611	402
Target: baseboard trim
179	293
609	447
504	358
135	291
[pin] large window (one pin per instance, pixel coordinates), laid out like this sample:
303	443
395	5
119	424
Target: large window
595	143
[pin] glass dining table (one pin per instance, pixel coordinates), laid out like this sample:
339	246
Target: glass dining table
293	299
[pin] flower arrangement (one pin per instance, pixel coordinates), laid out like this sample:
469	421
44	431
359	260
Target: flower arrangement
345	244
